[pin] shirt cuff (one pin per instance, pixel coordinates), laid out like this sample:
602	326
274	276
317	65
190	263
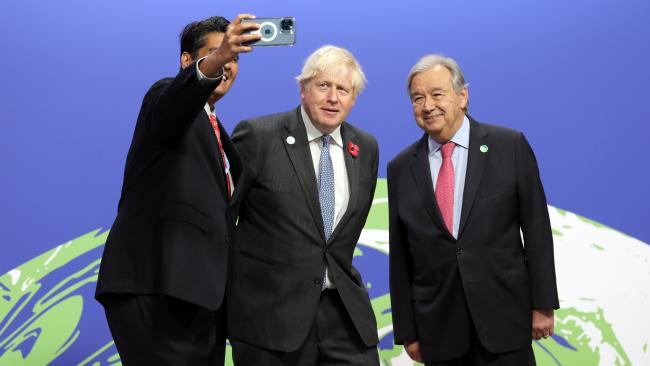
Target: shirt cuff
202	76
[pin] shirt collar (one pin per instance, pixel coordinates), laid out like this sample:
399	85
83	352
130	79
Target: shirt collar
208	110
313	133
461	137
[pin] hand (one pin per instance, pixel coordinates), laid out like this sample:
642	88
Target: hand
413	350
231	45
543	324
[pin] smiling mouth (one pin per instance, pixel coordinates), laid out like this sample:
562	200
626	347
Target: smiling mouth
431	116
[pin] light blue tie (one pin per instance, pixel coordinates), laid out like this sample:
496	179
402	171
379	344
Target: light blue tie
326	186
326	192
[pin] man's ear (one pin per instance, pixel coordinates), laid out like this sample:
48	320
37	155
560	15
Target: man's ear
186	60
302	90
464	95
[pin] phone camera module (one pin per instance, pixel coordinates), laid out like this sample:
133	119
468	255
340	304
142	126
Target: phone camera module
286	25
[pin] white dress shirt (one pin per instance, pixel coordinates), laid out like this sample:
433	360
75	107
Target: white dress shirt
341	183
459	161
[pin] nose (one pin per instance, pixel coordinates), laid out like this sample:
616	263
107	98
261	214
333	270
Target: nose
429	104
332	95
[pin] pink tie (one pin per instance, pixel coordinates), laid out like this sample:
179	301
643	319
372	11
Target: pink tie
215	126
445	186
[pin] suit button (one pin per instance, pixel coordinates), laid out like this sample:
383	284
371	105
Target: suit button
459	251
318	281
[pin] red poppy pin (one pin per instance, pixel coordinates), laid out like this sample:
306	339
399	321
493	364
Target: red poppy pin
353	149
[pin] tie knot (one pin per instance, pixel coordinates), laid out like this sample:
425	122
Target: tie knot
447	148
213	118
326	140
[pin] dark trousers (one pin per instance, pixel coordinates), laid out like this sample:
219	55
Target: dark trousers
160	330
480	356
332	340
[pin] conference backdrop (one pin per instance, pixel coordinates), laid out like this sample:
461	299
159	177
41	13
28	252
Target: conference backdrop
572	75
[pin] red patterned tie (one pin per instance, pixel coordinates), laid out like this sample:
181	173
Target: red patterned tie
445	186
215	126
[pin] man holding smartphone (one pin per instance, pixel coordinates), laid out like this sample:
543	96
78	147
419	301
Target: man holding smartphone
164	269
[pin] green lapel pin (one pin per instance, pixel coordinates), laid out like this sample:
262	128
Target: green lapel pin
484	148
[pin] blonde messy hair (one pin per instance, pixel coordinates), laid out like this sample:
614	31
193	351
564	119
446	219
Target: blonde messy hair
331	58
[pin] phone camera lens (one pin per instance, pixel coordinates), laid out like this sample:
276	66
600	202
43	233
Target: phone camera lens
286	24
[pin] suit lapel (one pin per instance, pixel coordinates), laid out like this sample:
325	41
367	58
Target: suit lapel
352	168
422	175
231	153
233	159
212	146
476	161
297	146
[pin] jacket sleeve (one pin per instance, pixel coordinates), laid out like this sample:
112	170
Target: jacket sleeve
536	228
401	267
245	140
173	106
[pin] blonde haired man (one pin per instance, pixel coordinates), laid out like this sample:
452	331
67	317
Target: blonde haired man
306	191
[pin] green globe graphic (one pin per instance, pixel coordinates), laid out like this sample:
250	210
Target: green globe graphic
48	315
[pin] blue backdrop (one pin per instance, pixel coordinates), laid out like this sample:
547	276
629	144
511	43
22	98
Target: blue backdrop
572	75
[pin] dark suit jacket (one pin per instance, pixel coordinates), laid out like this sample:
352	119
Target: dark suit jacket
280	249
438	282
171	233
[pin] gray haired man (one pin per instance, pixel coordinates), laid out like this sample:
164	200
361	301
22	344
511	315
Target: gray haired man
465	289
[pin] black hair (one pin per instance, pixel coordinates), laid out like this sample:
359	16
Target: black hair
194	34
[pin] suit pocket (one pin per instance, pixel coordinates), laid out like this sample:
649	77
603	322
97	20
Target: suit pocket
186	213
257	257
516	276
495	190
423	293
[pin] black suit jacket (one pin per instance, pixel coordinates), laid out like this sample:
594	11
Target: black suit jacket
438	282
171	233
280	249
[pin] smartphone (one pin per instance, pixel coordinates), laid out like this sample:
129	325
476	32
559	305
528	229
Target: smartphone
274	31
